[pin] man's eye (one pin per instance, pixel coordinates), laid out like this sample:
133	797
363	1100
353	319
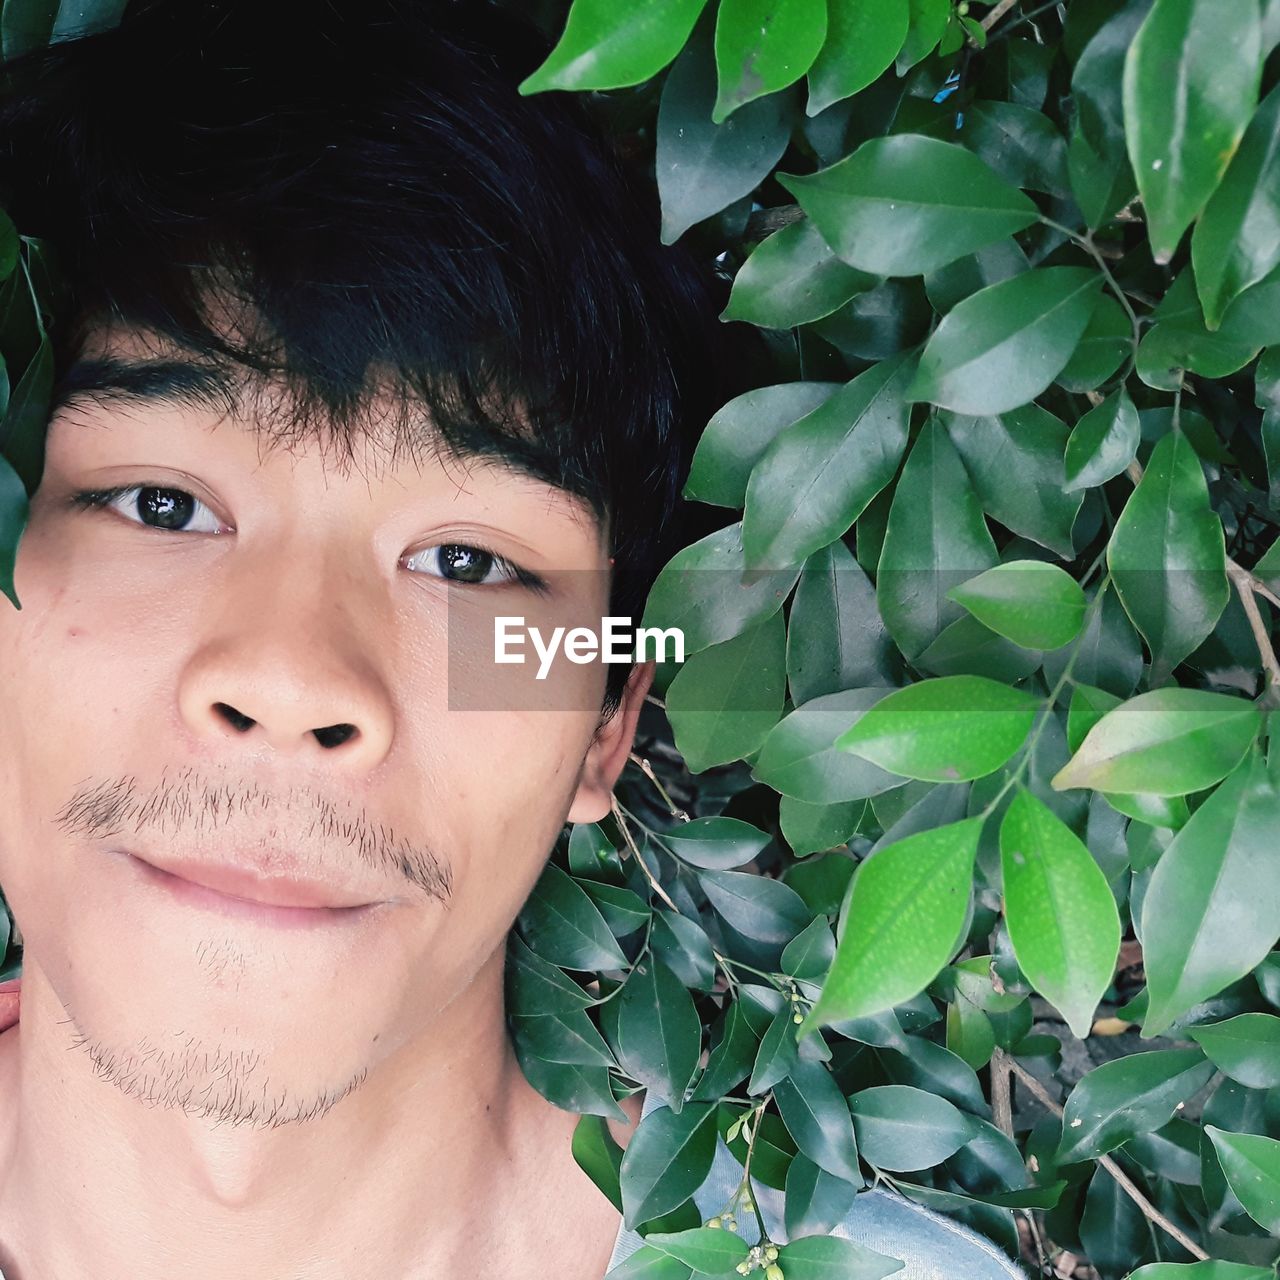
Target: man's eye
154	507
459	562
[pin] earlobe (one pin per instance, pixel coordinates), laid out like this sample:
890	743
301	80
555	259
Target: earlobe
608	753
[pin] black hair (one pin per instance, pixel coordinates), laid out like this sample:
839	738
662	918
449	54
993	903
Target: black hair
365	176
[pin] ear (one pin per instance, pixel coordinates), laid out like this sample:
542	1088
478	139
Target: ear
609	749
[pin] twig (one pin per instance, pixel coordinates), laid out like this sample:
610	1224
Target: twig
657	702
1001	1093
765	222
635	853
1126	1184
1243	581
647	769
997	13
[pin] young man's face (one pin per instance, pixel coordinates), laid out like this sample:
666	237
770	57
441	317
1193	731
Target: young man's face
163	683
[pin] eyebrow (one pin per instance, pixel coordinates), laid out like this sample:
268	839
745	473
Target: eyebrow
188	384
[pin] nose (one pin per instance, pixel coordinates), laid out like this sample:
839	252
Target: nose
285	668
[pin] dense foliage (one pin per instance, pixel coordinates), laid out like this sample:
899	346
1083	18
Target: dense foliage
952	863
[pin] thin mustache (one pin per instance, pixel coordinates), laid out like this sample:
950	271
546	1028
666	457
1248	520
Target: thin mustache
186	803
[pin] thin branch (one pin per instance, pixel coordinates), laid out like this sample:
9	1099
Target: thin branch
1126	1184
764	222
647	769
1243	581
635	853
657	702
1001	1093
997	13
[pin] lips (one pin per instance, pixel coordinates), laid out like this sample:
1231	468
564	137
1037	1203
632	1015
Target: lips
253	886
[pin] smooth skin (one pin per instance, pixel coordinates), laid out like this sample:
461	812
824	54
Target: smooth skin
190	1094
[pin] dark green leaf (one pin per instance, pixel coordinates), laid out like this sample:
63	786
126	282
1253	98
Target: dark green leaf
564	926
659	1034
1103	443
717	843
1247	1048
756	906
1252	1165
815	1200
901	1128
598	1156
817	1117
666	1160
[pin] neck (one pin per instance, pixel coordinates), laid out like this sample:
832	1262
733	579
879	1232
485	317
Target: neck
442	1137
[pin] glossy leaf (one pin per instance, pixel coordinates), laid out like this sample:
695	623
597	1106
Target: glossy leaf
1060	911
763	46
666	1160
605	46
901	1128
908	204
563	925
719	843
1190	86
1034	604
659	1035
906	909
821	1257
1002	346
1212	910
1167	556
1168	742
706	1250
1251	1163
863	38
944	730
1103	443
817	1117
815	1199
1246	1047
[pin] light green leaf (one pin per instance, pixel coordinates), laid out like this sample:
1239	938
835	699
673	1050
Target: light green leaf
863	38
936	538
791	278
598	1156
606	45
706	1250
1034	604
928	23
1104	442
1251	1163
819	474
1235	243
1202	1271
1167	743
1190	86
945	730
907	204
1002	346
650	1264
1246	1047
823	1257
1126	1097
907	906
1060	911
763	46
1167	556
1212	910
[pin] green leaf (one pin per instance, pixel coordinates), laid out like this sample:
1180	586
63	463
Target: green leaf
906	205
703	166
764	909
815	1200
777	1055
598	1156
564	926
1235	244
14	509
708	1251
863	38
666	1160
1061	915
810	952
817	1117
901	1129
1202	1271
945	730
792	278
800	758
906	909
821	1257
1021	144
936	538
1108	338
1190	86
737	436
731	1059
684	947
1034	604
570	1086
659	1033
569	1037
763	46
707	591
1247	1048
1028	442
606	46
1104	442
1212	910
1002	346
1167	743
1088	706
724	701
1252	1166
1128	1096
835	637
22	437
1167	556
650	1264
928	23
819	474
719	843
810	828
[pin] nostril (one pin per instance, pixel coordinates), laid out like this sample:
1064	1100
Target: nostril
238	721
335	735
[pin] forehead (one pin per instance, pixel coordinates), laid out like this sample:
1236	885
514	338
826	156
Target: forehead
122	370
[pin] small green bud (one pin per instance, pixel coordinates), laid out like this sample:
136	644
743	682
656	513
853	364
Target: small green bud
771	1253
797	1018
742	1269
773	1272
712	1222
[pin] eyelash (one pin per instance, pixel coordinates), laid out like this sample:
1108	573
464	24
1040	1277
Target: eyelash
101	499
